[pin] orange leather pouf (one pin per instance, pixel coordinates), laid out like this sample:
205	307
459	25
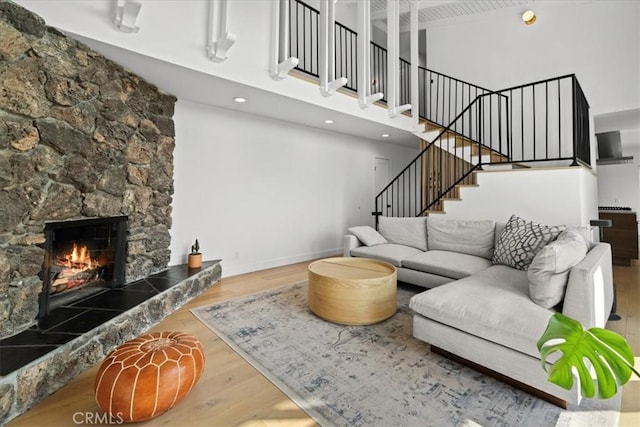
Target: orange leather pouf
146	376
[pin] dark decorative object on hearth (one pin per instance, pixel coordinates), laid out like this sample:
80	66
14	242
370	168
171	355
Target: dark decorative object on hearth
195	257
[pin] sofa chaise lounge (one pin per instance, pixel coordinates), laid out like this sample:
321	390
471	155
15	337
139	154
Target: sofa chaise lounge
492	288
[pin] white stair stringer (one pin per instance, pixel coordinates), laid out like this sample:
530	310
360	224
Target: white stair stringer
532	193
449	144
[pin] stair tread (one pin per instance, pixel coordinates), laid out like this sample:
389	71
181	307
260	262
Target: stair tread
430	126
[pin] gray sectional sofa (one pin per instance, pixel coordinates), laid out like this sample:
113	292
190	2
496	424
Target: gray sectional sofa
492	287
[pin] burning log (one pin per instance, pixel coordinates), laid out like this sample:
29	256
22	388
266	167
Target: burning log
76	265
74	270
70	279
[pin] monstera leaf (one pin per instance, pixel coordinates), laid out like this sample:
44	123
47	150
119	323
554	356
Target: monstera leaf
609	355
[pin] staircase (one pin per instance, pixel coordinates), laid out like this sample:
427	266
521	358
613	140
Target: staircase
467	128
540	123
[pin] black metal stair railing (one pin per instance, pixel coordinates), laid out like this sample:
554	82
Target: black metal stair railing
545	121
447	161
443	97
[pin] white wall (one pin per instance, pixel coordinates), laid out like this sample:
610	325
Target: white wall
599	41
618	185
549	196
259	193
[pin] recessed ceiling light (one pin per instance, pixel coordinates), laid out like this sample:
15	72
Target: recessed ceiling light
385	135
529	17
240	100
328	121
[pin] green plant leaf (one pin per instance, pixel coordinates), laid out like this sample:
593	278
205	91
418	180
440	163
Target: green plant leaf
609	355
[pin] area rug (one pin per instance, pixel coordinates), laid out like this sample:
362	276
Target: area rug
377	375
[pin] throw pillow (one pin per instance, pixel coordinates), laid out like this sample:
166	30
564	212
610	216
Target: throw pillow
464	236
521	240
410	231
550	268
367	235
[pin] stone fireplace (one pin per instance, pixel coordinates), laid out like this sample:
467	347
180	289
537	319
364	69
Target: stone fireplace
81	138
86	180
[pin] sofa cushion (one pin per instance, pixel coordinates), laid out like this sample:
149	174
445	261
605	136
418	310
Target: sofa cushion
521	240
493	304
464	236
445	263
411	231
367	235
389	252
549	270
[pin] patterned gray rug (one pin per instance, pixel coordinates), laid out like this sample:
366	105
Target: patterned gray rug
376	375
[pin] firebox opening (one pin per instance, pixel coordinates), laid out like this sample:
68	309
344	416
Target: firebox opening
81	258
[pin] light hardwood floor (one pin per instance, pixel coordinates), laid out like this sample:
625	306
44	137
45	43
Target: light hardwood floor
232	393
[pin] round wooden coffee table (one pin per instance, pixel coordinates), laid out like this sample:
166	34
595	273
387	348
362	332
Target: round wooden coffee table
352	291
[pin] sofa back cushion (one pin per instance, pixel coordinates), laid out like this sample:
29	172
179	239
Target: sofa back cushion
410	231
521	240
464	236
550	268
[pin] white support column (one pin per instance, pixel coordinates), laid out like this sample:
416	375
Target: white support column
326	67
364	55
220	40
393	60
415	60
281	62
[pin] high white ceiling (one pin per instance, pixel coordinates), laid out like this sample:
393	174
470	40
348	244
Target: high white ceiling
435	10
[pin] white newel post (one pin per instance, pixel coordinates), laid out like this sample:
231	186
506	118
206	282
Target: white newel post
365	98
393	60
126	15
328	83
281	62
220	40
415	89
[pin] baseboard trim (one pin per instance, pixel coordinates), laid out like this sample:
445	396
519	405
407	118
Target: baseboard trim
501	377
233	269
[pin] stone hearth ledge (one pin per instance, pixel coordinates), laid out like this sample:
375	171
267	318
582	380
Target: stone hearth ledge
25	387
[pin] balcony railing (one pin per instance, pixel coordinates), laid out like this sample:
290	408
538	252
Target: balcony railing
442	97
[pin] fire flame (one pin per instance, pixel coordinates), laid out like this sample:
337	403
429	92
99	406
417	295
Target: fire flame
79	257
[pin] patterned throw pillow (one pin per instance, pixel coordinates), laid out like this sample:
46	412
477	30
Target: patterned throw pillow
521	240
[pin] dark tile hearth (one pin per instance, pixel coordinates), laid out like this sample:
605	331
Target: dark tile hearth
70	321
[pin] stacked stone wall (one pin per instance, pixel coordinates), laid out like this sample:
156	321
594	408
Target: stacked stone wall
80	137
